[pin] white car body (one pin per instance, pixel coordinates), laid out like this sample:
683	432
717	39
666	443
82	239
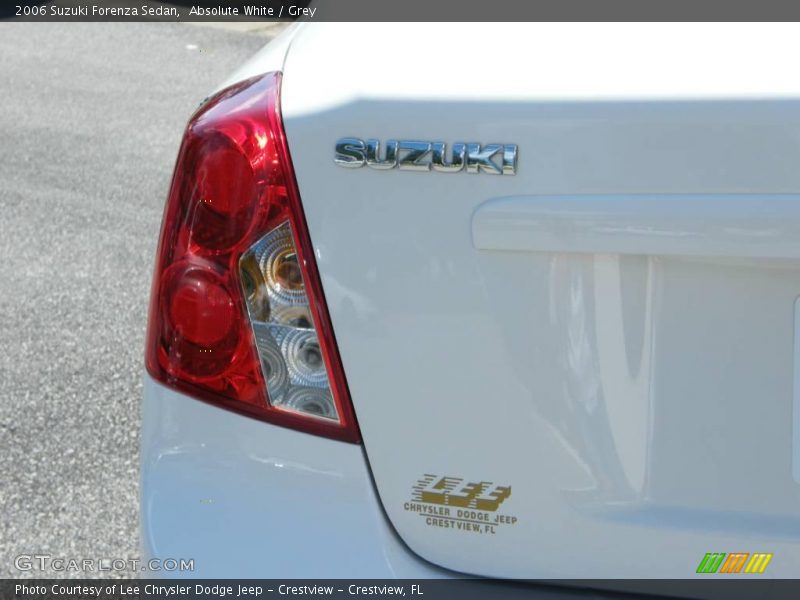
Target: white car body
610	332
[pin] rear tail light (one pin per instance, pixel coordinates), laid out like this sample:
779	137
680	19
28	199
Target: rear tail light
237	315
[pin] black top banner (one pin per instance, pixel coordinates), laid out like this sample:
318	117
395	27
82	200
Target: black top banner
400	10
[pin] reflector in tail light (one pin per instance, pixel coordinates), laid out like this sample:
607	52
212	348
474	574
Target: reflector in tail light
237	315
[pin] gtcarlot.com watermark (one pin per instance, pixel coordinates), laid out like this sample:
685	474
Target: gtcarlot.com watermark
58	564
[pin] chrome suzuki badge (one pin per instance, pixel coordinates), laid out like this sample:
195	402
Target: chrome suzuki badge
408	155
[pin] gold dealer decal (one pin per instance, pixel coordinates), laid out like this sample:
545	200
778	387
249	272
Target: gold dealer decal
454	503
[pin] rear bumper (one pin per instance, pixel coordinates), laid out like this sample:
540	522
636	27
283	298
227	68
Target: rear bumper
247	499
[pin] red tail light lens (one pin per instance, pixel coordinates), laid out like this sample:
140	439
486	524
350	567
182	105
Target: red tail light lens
237	315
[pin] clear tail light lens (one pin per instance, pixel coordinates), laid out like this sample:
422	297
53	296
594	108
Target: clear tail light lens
286	337
237	315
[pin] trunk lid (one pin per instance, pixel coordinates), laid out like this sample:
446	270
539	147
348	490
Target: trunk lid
586	369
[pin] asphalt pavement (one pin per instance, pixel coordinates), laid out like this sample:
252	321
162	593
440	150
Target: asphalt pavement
91	116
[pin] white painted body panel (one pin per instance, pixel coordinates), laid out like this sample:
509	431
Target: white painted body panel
638	400
714	226
246	499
